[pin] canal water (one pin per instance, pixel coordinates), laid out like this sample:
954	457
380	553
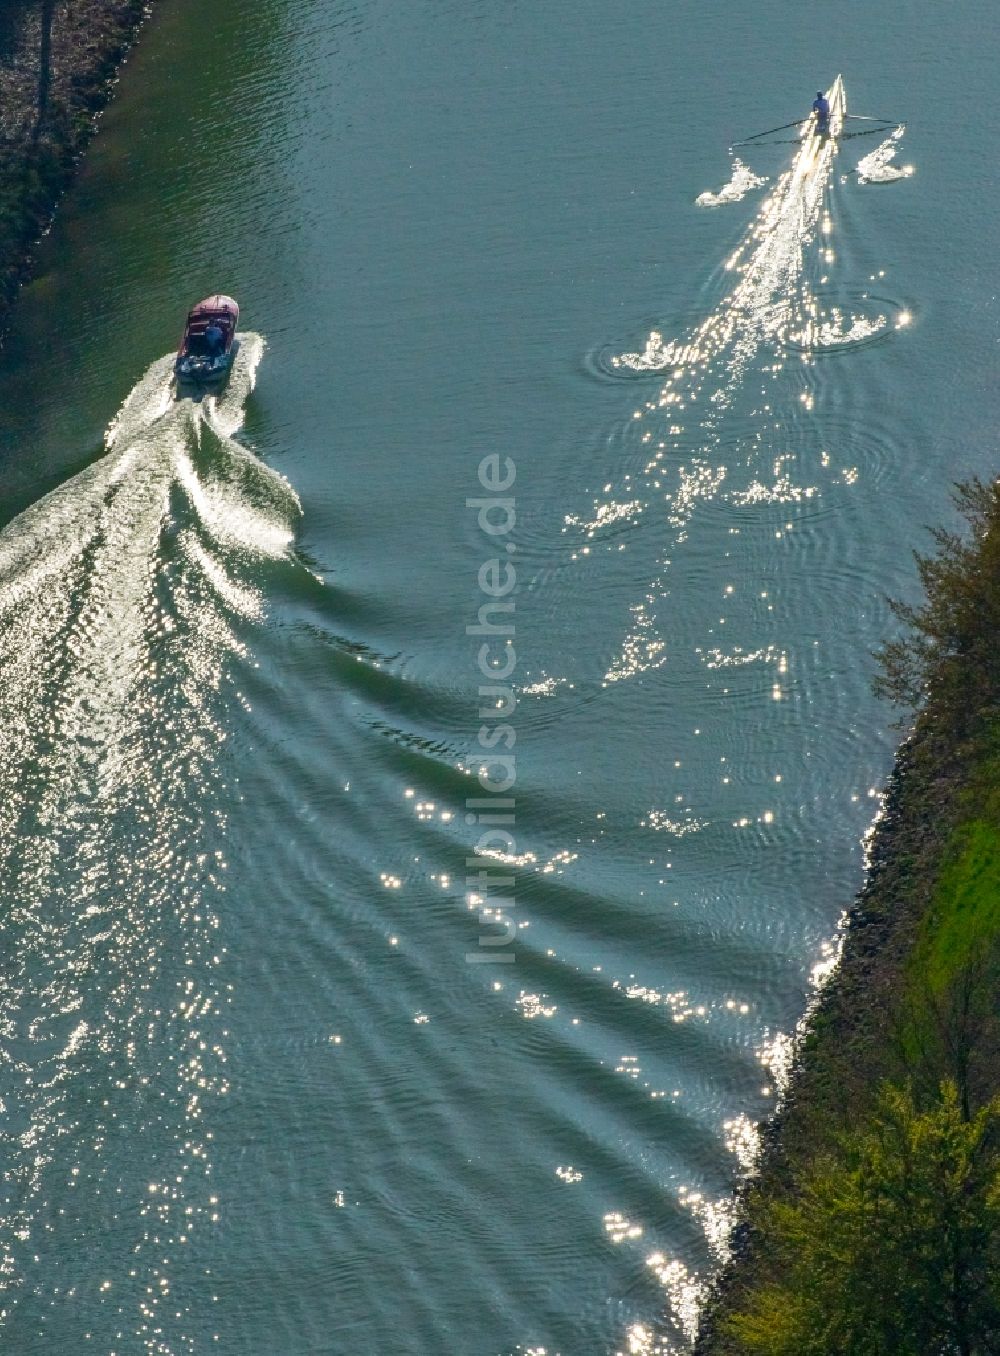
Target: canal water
433	770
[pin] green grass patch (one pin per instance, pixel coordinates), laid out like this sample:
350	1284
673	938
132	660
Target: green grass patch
963	921
965	916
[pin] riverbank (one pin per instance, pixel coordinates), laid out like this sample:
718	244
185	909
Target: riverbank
57	69
876	1206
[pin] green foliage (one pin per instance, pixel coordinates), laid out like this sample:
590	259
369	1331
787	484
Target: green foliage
876	1232
891	1247
948	1016
965	914
949	653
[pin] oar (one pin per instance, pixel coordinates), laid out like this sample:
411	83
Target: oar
872	132
844	136
770	132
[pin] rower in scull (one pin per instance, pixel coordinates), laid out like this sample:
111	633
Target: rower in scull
821	112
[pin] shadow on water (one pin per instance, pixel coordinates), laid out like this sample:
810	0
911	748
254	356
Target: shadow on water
13	15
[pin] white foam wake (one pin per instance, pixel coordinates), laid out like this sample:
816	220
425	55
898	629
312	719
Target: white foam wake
877	168
125	598
834	329
769	302
741	182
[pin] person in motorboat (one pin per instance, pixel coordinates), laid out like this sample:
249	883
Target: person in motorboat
821	111
215	339
209	340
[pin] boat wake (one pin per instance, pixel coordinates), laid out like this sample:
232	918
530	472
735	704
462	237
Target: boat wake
720	463
877	168
741	182
774	306
125	598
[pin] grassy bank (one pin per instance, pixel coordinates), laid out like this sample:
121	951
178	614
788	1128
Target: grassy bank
57	65
873	1227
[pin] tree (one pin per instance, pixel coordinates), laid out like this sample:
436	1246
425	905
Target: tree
951	1029
891	1248
949	652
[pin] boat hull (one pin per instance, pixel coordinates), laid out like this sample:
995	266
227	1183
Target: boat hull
200	359
204	371
820	144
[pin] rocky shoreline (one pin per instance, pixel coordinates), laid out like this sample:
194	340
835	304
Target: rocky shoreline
867	933
58	64
883	1014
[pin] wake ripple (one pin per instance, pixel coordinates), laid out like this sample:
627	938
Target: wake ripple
123	595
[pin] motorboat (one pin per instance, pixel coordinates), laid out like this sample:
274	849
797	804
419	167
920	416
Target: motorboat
207	348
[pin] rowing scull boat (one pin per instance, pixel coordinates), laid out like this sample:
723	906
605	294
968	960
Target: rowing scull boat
809	128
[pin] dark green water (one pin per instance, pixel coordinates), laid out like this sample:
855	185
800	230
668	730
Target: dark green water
257	1098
